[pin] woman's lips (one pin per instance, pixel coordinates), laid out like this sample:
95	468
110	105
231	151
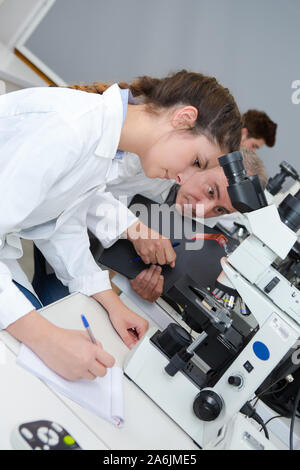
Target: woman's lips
167	176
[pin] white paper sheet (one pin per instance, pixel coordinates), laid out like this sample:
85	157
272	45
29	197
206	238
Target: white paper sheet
103	396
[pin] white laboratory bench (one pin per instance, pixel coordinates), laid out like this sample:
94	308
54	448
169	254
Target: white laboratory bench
23	397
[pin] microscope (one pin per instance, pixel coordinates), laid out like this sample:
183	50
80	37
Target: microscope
290	266
276	182
169	365
273	193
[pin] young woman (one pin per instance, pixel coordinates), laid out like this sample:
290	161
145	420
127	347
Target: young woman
58	149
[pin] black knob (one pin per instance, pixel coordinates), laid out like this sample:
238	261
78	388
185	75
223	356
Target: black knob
207	405
178	362
235	380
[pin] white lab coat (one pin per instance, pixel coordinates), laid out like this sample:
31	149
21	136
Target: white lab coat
131	180
57	149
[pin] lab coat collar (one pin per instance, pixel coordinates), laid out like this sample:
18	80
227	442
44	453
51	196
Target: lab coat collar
111	123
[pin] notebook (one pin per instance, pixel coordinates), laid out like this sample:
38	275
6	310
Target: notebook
102	396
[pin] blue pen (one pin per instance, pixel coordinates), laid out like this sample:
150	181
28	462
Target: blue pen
88	329
139	258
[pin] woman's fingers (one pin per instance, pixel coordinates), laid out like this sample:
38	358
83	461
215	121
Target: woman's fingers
153	247
89	375
104	358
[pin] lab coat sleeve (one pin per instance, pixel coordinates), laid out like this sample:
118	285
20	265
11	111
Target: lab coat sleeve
67	251
30	163
13	304
108	217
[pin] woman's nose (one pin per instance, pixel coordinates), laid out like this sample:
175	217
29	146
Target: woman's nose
183	176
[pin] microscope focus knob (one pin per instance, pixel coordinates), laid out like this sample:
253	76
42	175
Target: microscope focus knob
235	380
207	405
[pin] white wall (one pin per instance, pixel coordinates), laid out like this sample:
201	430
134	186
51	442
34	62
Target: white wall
7	86
13	15
250	46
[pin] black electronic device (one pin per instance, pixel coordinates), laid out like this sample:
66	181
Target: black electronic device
42	435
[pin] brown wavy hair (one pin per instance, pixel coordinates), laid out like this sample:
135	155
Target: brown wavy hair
260	126
218	118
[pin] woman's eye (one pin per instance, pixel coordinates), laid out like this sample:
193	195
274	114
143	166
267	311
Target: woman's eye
211	191
197	163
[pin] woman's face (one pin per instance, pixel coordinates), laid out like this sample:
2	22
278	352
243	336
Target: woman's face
175	156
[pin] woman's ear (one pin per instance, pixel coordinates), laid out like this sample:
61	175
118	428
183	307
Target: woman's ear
185	118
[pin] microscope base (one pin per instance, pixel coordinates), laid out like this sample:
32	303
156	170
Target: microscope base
174	395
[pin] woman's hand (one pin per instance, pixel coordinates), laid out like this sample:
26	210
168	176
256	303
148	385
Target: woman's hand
69	353
129	326
149	283
150	245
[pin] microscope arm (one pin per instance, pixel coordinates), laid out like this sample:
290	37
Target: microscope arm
257	302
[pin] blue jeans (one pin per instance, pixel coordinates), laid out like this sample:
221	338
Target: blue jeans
47	286
30	296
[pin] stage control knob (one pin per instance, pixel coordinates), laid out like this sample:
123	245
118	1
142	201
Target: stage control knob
235	380
207	405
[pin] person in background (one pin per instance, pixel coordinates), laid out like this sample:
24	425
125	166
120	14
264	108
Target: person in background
258	130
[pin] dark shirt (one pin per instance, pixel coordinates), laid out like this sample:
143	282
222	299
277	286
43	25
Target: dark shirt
171	198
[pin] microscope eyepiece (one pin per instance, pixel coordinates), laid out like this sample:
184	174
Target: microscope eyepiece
276	182
246	194
233	167
289	170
